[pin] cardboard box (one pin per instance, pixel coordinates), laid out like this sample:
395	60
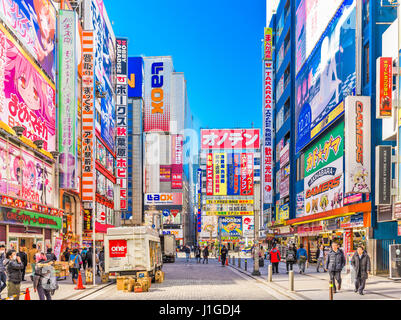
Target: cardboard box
142	274
120	283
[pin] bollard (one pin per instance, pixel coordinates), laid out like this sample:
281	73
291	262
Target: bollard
291	280
239	262
270	273
246	264
331	289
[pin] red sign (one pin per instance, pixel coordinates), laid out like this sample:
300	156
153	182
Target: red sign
385	86
249	174
118	248
176	181
244	175
230	139
165	173
209	174
352	199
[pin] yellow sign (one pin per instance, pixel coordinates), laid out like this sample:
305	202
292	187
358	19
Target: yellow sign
131	81
229	201
229	213
220	174
327	120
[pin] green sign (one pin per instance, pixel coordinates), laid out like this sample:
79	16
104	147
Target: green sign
32	219
329	148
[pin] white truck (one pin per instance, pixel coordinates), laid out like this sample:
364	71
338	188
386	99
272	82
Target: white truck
169	247
129	250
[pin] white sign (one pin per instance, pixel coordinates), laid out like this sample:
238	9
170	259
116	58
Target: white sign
248	226
357	144
209	227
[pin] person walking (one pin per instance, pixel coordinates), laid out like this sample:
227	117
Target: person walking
290	257
24	259
206	255
3	276
50	256
223	254
83	256
187	251
320	258
42	280
14	267
361	264
275	258
198	254
335	262
302	257
66	254
75	262
101	260
32	258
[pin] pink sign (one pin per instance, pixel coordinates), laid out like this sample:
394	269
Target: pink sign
209	174
26	97
230	139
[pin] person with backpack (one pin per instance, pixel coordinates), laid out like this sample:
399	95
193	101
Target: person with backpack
206	255
44	280
50	256
198	254
75	263
223	253
290	257
275	258
302	257
14	267
335	262
83	256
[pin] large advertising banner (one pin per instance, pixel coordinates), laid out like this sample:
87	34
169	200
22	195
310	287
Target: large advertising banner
177	161
33	22
312	18
68	108
247	174
234	171
267	164
209	175
163	199
157	93
220	174
165	173
323	183
27	96
231	226
325	79
122	120
135	77
357	143
230	139
268	44
248	226
384	87
199	201
171	217
209	227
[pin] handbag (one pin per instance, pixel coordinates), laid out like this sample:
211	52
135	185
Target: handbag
261	262
71	263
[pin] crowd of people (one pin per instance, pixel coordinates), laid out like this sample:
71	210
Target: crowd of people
13	265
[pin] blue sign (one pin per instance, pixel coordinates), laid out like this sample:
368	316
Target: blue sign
327	77
233	170
166	212
108	117
135	77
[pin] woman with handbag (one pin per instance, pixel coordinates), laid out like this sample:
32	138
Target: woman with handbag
74	263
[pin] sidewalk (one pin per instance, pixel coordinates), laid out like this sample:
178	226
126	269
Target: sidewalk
65	291
315	286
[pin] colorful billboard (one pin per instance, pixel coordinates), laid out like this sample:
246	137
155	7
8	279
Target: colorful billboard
27	96
384	87
358	135
165	173
220	174
209	175
157	84
163	199
230	139
323	183
229	213
177	161
230	226
135	77
312	18
172	216
247	163
33	22
268	44
248	226
67	108
233	174
199	201
325	80
268	122
209	227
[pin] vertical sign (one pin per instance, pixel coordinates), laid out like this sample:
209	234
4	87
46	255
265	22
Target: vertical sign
268	134
220	171
233	174
199	201
268	53
209	174
384	87
383	175
244	174
249	174
88	119
67	99
122	120
357	144
177	161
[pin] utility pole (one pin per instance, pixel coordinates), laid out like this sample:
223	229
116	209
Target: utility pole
256	228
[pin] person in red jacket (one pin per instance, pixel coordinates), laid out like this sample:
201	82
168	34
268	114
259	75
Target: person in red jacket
275	258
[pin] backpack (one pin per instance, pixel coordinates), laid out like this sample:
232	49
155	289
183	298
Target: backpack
83	255
49	280
290	255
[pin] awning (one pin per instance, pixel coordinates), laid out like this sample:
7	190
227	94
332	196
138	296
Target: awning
340	212
102	228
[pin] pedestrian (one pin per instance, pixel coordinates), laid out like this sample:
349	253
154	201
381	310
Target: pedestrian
187	250
14	267
223	254
335	262
275	258
361	264
83	256
24	260
44	281
302	257
89	258
97	261
198	254
320	258
3	276
206	255
75	263
32	258
290	257
101	260
66	254
50	256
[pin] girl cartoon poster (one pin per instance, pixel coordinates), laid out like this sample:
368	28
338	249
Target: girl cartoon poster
26	99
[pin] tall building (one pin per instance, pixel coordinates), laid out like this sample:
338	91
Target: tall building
320	82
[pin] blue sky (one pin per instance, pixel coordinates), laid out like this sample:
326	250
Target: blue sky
216	43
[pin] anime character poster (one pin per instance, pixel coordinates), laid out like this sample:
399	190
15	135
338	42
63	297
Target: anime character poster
27	99
33	22
108	117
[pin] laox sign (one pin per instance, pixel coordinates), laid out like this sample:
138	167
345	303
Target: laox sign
117	248
157	88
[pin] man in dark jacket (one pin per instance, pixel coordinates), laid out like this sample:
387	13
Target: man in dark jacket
223	253
3	277
50	256
335	262
206	255
320	258
24	260
14	267
361	264
290	257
